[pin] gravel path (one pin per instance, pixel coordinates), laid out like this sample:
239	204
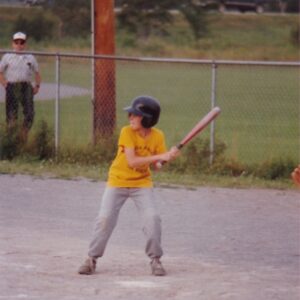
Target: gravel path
48	92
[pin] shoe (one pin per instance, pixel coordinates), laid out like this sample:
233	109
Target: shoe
157	268
88	268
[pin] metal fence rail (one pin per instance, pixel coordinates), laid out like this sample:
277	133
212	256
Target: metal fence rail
260	117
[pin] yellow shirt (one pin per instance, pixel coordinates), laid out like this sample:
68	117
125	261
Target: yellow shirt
120	174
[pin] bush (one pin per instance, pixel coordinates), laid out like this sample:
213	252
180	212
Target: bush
38	26
295	36
196	158
228	167
275	169
10	143
42	144
103	152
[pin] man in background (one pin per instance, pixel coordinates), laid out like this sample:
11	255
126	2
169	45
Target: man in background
17	71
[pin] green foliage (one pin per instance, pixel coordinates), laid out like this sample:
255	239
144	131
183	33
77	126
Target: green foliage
103	152
196	17
228	167
74	15
275	169
9	142
195	160
196	156
144	18
295	36
292	6
38	26
42	144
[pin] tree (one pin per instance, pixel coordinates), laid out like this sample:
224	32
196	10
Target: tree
144	17
38	26
195	16
74	15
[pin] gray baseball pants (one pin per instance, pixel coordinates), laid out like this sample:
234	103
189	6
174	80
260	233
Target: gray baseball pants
112	201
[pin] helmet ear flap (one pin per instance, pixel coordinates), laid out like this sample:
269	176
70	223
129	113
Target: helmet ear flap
147	122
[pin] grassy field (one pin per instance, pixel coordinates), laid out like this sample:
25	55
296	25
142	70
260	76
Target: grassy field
260	105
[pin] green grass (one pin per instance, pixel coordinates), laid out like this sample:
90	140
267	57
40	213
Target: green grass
164	179
260	105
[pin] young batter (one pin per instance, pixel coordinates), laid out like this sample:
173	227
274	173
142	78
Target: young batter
139	146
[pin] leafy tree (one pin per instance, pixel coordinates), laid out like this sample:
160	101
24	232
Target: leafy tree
75	16
195	16
39	26
144	17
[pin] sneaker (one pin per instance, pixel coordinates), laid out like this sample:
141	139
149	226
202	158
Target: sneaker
88	267
157	268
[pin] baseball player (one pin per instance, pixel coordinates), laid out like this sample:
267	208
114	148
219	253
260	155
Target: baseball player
16	73
139	146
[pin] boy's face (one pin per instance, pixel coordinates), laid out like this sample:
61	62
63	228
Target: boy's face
135	121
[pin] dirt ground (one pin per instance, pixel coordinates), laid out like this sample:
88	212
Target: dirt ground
219	243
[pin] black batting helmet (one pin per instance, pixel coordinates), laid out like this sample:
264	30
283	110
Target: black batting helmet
147	107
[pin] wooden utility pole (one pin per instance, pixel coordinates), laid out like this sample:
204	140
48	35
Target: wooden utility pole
104	69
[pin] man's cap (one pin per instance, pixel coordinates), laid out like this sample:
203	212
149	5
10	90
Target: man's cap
19	36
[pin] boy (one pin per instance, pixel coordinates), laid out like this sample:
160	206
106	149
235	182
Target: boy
139	146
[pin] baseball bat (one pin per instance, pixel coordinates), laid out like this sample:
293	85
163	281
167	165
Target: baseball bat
204	122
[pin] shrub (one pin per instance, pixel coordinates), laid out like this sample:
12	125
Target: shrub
42	143
103	152
228	167
275	169
295	36
10	143
196	158
38	26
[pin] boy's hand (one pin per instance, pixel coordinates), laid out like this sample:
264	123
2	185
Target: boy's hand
167	156
174	152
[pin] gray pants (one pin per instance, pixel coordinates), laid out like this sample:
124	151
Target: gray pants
112	201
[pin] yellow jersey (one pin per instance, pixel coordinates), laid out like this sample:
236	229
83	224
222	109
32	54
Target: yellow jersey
120	174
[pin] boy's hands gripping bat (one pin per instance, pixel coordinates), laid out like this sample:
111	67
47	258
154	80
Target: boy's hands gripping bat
204	122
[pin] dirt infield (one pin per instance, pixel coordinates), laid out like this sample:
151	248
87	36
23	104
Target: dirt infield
219	244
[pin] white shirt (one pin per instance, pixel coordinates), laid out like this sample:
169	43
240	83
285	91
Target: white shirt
18	67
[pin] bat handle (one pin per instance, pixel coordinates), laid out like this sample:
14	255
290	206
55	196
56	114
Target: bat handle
179	146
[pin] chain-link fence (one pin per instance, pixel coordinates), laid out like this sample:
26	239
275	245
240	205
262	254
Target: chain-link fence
260	117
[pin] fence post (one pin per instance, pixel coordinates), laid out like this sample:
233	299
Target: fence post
213	104
57	103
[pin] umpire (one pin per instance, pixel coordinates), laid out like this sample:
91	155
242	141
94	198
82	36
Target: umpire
17	70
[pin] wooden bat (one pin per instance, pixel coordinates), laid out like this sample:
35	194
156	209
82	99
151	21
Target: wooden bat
200	126
204	122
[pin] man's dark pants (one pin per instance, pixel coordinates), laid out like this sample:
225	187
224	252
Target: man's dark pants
19	92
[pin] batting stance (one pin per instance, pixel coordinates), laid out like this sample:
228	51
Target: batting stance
139	146
16	72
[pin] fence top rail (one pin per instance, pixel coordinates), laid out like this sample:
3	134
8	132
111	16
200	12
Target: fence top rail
162	60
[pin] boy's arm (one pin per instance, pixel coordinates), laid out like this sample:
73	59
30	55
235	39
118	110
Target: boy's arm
135	161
